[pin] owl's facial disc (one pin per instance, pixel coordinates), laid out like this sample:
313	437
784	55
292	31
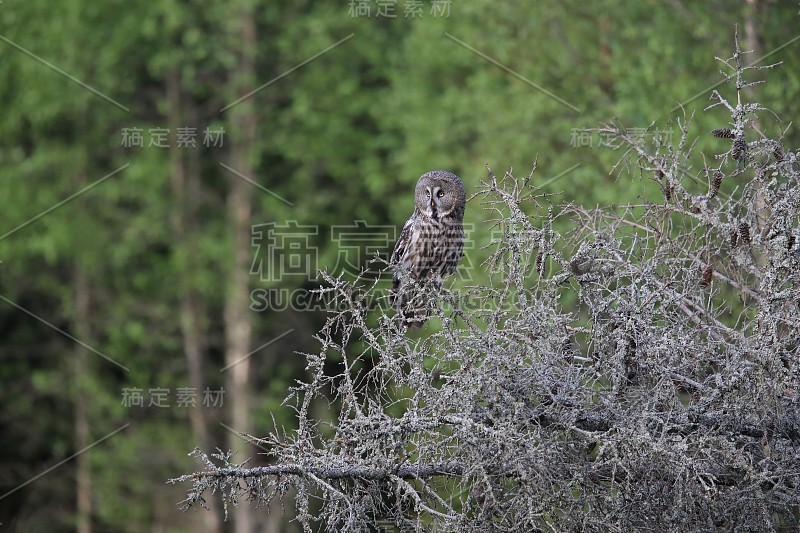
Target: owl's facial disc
434	194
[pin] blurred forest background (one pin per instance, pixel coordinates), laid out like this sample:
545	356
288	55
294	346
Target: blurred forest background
171	172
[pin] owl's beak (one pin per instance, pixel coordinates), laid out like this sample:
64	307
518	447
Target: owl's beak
434	214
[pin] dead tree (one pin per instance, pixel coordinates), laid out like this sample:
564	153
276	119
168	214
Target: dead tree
634	368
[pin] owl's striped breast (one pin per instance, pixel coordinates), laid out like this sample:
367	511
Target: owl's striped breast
435	247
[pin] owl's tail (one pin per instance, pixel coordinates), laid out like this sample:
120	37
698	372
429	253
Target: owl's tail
413	301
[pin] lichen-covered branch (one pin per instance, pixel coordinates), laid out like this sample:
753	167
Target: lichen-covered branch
627	368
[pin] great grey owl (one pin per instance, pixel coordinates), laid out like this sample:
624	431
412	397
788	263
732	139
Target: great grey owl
430	245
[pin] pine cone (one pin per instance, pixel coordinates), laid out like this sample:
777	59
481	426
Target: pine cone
723	133
744	233
777	151
716	181
739	148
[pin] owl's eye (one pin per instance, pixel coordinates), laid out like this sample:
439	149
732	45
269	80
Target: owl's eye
428	193
440	194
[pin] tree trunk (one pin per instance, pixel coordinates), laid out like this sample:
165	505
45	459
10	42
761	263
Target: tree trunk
238	329
185	189
82	435
750	32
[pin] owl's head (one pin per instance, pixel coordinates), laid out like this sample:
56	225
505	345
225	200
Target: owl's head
440	194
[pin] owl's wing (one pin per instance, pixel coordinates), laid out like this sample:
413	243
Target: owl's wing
402	242
399	255
409	311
